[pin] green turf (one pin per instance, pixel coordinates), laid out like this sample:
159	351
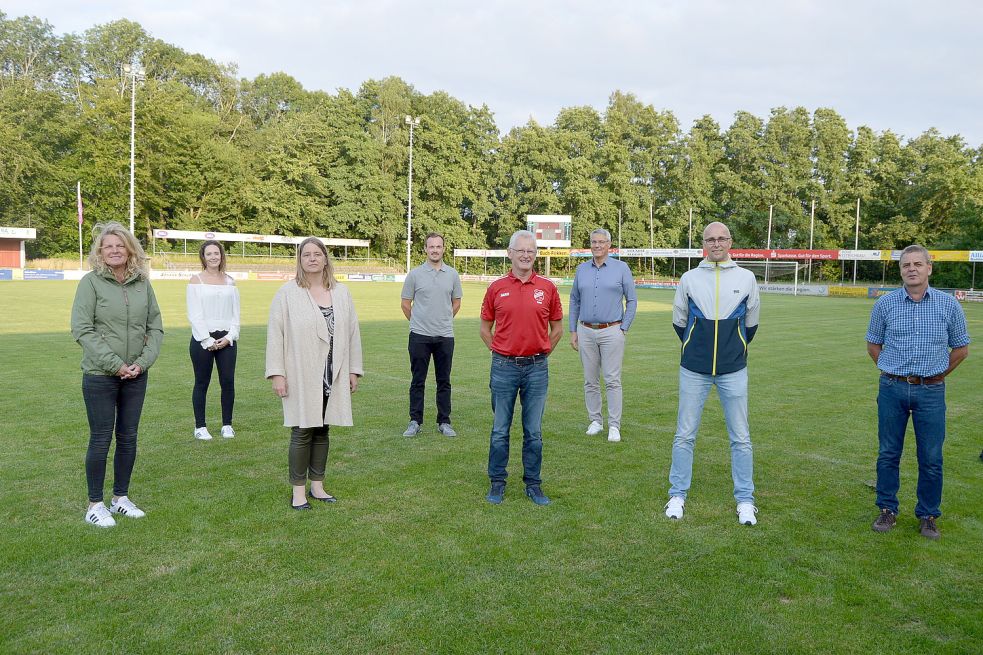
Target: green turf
412	559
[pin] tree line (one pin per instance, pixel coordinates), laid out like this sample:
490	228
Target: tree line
219	152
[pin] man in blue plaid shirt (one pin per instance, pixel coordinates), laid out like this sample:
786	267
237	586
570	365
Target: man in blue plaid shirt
917	336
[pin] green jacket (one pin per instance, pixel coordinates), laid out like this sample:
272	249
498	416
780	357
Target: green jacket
115	323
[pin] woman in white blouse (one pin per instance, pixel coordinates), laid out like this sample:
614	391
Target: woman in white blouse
213	311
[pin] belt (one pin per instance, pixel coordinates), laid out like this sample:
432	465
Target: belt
599	326
523	360
916	379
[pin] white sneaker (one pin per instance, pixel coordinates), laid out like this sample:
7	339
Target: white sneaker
745	513
125	506
100	516
594	428
228	432
614	434
674	508
202	434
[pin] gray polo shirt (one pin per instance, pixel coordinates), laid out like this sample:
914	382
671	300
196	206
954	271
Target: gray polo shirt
432	291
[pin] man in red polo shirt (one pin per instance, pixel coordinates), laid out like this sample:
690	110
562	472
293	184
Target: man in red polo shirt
521	320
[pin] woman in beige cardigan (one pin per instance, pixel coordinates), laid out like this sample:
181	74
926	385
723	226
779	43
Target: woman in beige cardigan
314	360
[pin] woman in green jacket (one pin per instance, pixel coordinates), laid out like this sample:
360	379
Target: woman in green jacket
116	320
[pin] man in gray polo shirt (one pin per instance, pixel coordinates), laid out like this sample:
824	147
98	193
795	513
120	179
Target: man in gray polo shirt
431	299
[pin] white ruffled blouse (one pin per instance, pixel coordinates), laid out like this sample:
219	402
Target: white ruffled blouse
213	307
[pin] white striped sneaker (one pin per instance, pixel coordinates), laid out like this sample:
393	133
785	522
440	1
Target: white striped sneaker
99	515
228	432
125	506
202	434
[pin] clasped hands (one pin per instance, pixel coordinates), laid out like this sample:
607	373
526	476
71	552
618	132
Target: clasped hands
129	371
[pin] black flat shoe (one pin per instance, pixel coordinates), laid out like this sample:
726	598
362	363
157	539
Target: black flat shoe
327	499
304	506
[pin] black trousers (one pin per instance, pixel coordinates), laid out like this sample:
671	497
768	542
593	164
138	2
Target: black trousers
112	403
202	360
421	349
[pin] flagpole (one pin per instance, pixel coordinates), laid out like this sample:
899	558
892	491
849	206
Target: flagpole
78	189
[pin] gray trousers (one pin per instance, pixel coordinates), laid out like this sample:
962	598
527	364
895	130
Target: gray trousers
601	353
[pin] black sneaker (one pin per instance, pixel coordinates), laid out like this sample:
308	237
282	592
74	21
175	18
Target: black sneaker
536	495
496	494
928	529
885	521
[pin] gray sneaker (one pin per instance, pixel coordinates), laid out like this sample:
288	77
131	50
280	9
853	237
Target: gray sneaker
412	429
446	430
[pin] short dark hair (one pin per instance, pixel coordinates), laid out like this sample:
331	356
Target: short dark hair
433	235
221	250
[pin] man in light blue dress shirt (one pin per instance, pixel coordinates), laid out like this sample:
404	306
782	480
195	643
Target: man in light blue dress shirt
917	336
602	307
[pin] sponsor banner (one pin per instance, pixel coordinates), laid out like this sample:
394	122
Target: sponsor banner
274	275
976	255
793	290
656	284
553	252
252	238
946	255
972	296
43	274
74	274
6	274
659	252
479	278
805	254
863	255
847	292
877	292
18	233
186	275
472	252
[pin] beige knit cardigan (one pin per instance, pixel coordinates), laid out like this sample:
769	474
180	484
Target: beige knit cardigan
297	348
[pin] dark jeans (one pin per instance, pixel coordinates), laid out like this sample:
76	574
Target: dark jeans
530	381
421	348
308	455
112	402
225	360
925	404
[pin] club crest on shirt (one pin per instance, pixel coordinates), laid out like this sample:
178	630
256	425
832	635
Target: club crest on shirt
539	295
504	294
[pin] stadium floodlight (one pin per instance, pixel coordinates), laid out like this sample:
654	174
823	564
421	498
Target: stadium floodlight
412	122
136	73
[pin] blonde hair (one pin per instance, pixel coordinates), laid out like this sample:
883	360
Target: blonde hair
136	258
327	274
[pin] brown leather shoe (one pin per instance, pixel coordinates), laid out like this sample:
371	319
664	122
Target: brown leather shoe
885	521
928	529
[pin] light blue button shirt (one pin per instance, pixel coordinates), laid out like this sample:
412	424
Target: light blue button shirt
597	294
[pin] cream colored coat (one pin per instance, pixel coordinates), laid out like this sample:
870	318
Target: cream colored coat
297	348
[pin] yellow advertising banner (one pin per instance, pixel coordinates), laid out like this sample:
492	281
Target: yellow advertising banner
949	255
852	292
554	252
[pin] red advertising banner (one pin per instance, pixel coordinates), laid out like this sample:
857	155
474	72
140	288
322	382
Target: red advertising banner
774	253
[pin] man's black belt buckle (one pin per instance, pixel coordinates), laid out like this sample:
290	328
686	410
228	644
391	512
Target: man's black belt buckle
526	360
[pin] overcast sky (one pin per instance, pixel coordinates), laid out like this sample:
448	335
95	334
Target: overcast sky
899	65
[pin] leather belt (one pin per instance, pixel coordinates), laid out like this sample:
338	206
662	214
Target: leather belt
523	360
916	379
599	326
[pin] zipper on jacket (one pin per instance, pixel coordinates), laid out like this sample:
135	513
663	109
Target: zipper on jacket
126	335
716	313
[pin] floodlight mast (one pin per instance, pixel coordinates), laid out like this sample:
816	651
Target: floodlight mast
412	121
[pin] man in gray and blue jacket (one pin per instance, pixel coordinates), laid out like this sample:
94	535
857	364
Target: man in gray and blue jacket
715	314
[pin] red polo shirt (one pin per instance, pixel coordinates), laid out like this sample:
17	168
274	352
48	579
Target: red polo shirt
521	312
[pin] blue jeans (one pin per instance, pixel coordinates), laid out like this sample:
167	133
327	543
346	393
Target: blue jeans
112	403
530	382
693	391
925	403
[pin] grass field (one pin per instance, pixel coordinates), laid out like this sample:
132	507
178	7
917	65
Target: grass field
413	560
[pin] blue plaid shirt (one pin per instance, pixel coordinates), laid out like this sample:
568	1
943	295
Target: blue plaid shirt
917	336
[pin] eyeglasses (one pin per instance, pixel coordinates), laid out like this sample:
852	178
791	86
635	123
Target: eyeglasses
523	252
714	241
